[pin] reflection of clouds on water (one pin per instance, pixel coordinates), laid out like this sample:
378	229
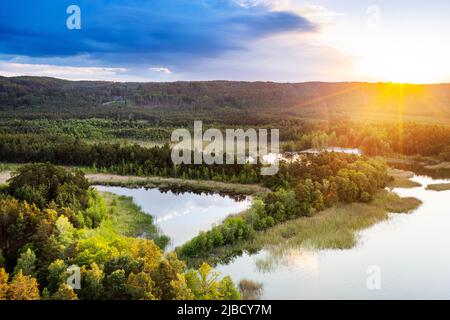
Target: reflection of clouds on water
305	260
195	208
182	216
185	210
295	259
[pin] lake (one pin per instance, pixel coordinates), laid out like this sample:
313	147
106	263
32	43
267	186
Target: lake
181	216
409	252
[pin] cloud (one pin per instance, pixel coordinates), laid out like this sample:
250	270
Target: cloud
168	40
273	4
67	72
161	70
138	31
317	14
282	59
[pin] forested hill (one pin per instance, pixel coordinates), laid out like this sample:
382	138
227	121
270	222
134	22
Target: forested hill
39	97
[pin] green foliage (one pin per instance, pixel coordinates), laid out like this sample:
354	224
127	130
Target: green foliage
26	263
164	275
232	230
2	258
22	224
312	184
64	293
56	275
140	286
116	285
129	219
92	282
96	210
229	102
205	285
122	268
44	183
68	192
116	158
40	243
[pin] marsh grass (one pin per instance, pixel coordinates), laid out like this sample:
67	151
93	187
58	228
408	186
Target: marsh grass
439	187
337	227
128	219
402	179
333	228
404	183
396	204
250	290
6	166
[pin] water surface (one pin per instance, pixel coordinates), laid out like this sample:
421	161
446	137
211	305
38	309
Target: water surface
411	252
181	216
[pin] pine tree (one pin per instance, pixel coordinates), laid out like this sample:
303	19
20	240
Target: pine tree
26	263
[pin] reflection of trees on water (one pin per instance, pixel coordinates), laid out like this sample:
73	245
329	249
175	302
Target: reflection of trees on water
182	190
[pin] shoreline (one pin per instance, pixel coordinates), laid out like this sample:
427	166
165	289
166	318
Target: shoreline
187	185
183	185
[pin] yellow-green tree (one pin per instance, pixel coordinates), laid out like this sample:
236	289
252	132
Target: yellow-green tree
23	288
4	287
116	286
140	286
204	284
91	282
147	250
228	290
181	289
64	293
56	275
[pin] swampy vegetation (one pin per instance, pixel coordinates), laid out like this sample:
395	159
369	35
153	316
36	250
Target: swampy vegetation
439	187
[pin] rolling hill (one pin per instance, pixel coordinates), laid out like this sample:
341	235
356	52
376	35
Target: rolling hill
227	101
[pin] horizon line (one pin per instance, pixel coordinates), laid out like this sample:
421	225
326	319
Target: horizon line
226	80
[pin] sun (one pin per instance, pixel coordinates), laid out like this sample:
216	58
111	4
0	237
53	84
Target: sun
402	68
404	62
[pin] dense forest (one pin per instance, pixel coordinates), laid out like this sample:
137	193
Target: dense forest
60	145
227	101
308	114
50	220
303	187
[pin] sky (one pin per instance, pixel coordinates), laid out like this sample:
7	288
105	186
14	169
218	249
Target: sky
249	40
